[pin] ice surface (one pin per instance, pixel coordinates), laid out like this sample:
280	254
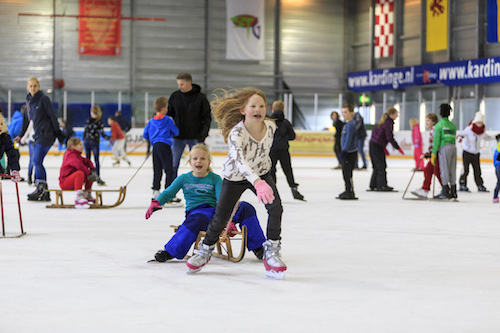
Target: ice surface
378	264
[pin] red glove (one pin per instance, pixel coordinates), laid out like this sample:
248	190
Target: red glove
401	151
386	152
155	205
16	177
231	228
264	192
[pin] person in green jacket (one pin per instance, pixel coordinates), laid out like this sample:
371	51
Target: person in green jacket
444	147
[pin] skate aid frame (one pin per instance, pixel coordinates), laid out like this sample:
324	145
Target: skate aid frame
18	205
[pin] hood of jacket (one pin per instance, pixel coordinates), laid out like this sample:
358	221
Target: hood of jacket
278	115
34	99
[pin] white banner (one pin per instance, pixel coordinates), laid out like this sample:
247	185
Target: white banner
245	29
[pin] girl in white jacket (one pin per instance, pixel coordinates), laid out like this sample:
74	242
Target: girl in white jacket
471	137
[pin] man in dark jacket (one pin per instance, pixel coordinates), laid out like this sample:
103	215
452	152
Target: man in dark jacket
338	124
279	150
190	110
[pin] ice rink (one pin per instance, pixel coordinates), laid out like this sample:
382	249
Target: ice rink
379	264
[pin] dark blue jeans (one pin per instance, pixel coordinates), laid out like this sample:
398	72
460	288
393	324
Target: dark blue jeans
92	146
39	154
162	161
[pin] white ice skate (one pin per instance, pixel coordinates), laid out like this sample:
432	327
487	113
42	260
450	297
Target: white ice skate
80	200
201	258
275	267
89	197
421	193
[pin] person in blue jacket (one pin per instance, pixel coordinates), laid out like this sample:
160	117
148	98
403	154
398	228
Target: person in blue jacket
201	188
159	132
349	152
16	122
39	109
496	163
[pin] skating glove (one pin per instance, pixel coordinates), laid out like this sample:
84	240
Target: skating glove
155	205
386	152
433	159
264	192
93	176
231	228
16	177
401	151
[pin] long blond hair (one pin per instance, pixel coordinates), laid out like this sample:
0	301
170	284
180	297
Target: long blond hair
204	148
386	114
227	107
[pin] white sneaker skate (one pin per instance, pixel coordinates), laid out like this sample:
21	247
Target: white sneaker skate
421	193
80	200
155	194
201	258
275	267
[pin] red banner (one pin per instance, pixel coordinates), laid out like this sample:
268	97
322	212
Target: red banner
100	35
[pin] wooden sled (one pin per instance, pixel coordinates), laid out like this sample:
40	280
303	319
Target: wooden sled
99	204
228	249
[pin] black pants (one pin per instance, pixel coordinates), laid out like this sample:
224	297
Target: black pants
469	159
338	150
229	195
162	161
286	164
379	175
347	168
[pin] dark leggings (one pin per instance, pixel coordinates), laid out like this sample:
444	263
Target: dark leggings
229	195
92	147
286	164
379	175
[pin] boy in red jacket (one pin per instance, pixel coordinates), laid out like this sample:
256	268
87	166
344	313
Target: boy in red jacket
77	170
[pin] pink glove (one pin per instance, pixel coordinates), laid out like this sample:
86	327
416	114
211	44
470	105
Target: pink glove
401	151
155	205
16	177
264	192
231	228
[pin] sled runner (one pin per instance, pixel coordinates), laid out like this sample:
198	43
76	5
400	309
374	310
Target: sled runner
225	252
98	198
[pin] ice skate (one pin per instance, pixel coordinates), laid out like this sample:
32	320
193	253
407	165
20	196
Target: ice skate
162	256
155	194
40	194
80	201
275	267
421	193
445	193
296	194
259	253
481	188
463	188
201	258
495	200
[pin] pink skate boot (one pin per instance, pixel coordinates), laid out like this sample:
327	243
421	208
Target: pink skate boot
275	267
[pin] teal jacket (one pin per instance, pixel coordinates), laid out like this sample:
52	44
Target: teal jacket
444	133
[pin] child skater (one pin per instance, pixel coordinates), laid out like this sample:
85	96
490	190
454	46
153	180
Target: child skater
91	136
430	121
279	150
416	138
118	140
382	134
7	148
444	147
76	171
241	117
349	152
496	163
202	189
471	137
159	131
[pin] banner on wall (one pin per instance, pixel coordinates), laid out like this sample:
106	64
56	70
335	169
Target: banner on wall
437	25
492	17
100	36
245	29
466	72
384	28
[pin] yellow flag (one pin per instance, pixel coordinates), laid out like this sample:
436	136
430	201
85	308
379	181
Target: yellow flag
437	25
